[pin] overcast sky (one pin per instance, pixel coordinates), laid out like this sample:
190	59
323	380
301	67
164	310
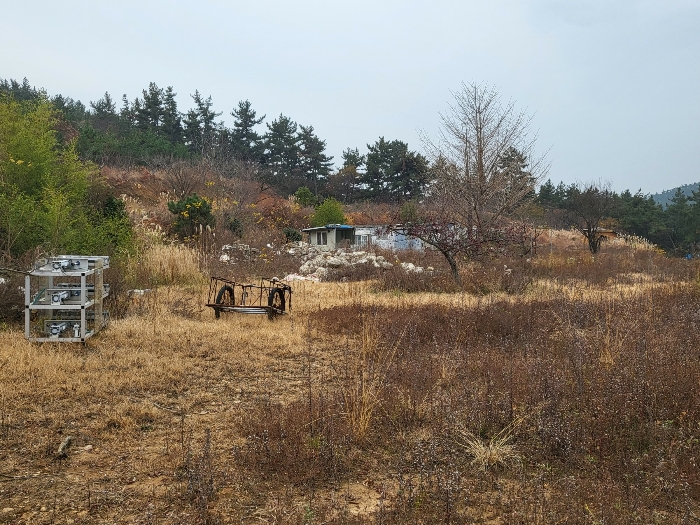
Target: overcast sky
614	85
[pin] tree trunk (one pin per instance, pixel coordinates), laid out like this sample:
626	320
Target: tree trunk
594	241
453	266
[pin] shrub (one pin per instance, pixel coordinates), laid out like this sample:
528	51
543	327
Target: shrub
192	212
235	226
292	234
330	212
305	197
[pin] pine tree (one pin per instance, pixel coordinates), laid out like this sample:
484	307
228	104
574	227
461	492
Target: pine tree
638	214
352	157
245	141
412	177
512	167
381	164
151	111
394	173
680	223
172	122
547	196
200	125
73	111
103	116
20	92
282	153
314	164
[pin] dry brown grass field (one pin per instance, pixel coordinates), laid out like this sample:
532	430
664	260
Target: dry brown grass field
564	391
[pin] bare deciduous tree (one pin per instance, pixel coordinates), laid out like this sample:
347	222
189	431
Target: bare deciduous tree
484	167
588	204
185	177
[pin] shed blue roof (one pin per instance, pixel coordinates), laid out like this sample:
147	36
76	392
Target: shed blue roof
330	227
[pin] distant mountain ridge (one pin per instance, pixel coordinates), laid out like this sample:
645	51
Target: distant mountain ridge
664	198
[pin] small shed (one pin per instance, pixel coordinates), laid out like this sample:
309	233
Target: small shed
331	236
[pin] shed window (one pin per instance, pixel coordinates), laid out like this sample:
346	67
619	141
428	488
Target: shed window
321	238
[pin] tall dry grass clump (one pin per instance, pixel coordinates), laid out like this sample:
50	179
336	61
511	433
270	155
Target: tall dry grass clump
165	264
366	375
498	451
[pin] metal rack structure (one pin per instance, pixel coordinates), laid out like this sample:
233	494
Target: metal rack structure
64	298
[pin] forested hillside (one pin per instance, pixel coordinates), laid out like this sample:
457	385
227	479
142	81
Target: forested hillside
55	152
151	131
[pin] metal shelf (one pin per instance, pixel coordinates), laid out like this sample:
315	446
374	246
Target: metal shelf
64	298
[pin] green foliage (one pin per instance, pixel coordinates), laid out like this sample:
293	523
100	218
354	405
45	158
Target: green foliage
130	146
639	215
682	219
674	228
192	212
352	157
245	141
294	156
394	173
282	153
314	164
292	234
44	188
20	92
114	208
409	212
150	130
305	197
235	226
200	128
329	212
344	184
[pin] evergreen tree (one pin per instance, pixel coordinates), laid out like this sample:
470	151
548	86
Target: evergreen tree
172	122
561	192
352	157
412	178
546	196
314	164
282	154
200	126
382	162
638	214
103	116
20	92
394	174
246	142
150	112
681	225
73	111
512	167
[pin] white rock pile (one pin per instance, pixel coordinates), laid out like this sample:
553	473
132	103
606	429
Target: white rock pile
318	262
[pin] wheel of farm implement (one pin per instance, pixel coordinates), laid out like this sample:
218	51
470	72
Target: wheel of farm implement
276	299
224	297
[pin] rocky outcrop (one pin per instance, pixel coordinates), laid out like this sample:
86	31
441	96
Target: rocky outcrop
315	259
